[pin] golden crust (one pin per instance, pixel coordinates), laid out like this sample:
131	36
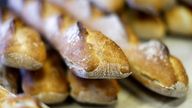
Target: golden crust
20	52
153	6
46	82
22	47
101	92
180	72
99	56
155	68
179	20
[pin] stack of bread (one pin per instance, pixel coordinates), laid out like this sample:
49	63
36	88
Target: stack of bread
52	49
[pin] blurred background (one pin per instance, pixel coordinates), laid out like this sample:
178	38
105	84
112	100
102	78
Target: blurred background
169	21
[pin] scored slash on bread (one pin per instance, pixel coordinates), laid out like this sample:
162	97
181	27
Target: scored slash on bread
89	53
21	46
93	91
48	84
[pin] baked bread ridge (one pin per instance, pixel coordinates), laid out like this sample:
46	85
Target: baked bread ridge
18	44
169	80
45	84
83	53
91	91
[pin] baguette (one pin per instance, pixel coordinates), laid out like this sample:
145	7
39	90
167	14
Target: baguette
145	26
92	91
48	84
156	69
9	78
88	52
10	100
151	6
21	46
179	21
167	78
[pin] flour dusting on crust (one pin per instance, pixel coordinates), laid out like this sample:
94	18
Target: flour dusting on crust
154	50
